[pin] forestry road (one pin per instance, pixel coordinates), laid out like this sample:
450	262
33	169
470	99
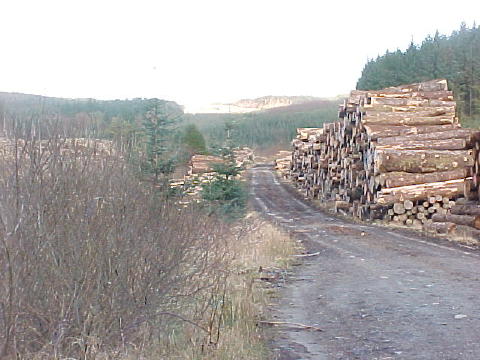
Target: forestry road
376	293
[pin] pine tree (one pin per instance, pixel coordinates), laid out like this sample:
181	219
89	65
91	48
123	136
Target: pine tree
226	195
194	140
157	127
456	58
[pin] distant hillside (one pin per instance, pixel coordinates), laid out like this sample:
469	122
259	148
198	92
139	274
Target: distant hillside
258	104
97	115
455	57
126	109
265	129
271	102
313	105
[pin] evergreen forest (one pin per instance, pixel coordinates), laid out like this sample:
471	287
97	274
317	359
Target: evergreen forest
455	57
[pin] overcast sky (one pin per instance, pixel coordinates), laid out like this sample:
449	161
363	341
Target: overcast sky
203	51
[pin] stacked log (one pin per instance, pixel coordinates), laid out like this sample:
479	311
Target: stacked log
201	171
283	162
463	219
200	164
327	163
396	154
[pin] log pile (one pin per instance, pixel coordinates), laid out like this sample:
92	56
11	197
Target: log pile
201	171
462	220
200	164
283	162
397	154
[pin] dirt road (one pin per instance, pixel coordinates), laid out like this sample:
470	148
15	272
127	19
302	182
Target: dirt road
376	293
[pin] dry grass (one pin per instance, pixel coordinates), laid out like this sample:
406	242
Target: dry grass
254	244
93	261
258	245
96	264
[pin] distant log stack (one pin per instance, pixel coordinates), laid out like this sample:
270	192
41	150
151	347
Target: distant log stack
200	164
397	154
201	170
283	162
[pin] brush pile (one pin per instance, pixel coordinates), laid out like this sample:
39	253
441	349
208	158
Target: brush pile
397	154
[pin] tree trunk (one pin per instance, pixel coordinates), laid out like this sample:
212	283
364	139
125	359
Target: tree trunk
443	144
439	95
473	210
406	111
468	134
467	232
397	178
376	131
440	227
411	120
421	161
469	220
451	189
410	102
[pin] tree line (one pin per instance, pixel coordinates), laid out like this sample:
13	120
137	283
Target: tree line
455	57
266	129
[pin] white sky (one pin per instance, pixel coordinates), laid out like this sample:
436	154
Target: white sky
202	51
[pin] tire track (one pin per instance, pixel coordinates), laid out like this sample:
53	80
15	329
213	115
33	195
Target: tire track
376	293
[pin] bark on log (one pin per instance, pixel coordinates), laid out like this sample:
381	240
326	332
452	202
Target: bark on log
410	102
431	85
466	210
452	188
469	220
410	121
398	178
406	111
466	232
421	161
469	134
440	227
439	95
375	132
443	144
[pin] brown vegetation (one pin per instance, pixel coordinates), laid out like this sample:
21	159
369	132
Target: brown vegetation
94	261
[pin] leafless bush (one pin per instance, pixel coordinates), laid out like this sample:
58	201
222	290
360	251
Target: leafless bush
92	260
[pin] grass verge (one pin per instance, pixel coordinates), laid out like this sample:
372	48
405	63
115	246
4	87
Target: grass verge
260	248
257	248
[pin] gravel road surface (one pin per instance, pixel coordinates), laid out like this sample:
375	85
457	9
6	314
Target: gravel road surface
376	293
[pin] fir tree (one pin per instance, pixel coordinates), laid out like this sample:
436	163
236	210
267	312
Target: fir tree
157	127
194	140
455	57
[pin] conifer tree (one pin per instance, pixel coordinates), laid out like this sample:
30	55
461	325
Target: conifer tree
194	140
157	127
455	57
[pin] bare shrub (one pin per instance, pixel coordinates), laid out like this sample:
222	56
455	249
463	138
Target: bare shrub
260	249
94	261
